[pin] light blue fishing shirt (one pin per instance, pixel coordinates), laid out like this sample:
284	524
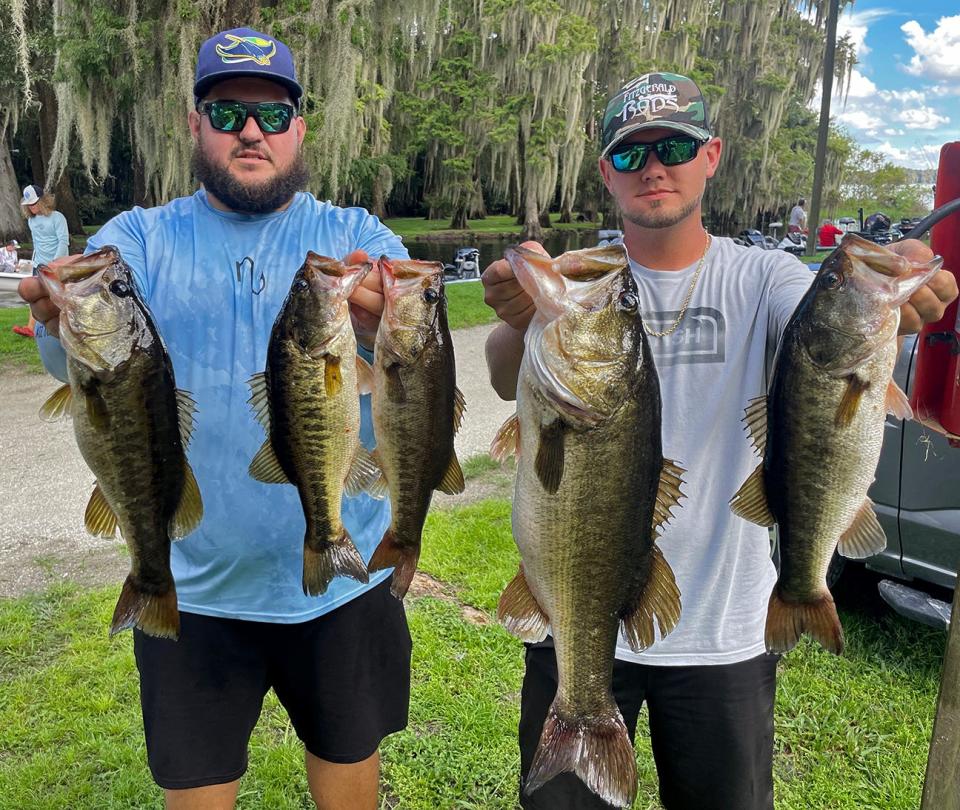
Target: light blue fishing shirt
215	282
50	237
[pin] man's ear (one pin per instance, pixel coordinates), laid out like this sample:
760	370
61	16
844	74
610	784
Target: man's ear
193	121
606	170
713	149
301	125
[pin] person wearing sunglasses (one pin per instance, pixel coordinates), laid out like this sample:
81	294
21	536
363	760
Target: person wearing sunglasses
713	312
215	267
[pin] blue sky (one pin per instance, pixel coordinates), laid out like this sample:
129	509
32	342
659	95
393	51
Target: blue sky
904	97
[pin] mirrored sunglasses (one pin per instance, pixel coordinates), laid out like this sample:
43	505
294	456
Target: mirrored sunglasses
671	151
231	116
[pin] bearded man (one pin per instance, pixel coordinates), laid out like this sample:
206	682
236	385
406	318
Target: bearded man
215	268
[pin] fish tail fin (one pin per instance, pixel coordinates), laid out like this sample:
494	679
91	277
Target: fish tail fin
332	559
153	613
402	558
597	749
787	621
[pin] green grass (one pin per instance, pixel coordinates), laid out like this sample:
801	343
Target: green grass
852	732
465	306
16	350
417	227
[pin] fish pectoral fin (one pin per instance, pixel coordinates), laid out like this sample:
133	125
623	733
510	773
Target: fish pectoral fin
266	467
549	462
459	408
364	376
850	402
668	494
659	600
99	518
332	375
97	413
260	399
865	537
452	482
519	612
755	418
190	509
363	475
896	402
186	411
57	405
750	501
507	441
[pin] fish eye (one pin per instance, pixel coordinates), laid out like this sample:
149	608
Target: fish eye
832	280
430	295
300	284
120	288
628	301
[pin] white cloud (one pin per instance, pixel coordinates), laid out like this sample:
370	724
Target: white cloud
855	25
912	156
937	54
860	86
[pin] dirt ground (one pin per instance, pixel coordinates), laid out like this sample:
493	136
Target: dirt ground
46	484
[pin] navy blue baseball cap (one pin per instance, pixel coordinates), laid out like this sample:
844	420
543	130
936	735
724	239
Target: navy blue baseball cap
244	52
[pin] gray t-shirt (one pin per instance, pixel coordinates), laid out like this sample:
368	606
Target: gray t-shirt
718	358
798	217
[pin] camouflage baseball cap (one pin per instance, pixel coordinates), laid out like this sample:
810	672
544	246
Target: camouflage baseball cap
665	100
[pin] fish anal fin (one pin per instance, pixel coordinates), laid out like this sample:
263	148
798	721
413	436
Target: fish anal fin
452	482
266	467
363	474
750	501
332	375
507	441
99	517
402	557
896	402
658	601
260	399
788	620
364	376
755	419
850	402
865	537
549	462
57	405
186	412
519	612
459	408
190	509
668	494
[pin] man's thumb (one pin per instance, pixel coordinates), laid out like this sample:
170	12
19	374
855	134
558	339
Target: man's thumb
536	247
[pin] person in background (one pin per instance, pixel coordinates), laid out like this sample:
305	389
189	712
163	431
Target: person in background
827	234
51	240
9	257
798	218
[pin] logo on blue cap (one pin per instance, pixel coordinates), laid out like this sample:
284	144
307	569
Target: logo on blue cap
244	52
247	49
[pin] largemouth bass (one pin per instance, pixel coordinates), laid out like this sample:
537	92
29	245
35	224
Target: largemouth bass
307	400
132	426
417	409
592	491
820	430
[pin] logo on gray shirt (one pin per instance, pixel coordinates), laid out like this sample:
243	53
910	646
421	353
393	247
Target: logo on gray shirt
698	339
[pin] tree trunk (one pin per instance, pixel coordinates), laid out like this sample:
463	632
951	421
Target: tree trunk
66	204
141	195
545	219
459	220
532	230
378	196
12	223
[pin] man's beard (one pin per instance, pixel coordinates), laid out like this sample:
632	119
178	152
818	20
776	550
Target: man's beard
655	218
250	198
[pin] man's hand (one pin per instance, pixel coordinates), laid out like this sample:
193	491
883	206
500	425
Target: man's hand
42	308
366	302
927	304
503	293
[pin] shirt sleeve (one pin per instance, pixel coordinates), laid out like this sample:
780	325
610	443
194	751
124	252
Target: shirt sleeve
63	235
789	280
125	232
378	240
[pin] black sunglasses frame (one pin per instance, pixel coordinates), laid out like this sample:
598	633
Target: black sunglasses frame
251	108
661	147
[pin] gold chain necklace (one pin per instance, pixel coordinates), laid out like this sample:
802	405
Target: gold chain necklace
686	301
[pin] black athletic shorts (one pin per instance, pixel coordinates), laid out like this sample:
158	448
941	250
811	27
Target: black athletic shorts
344	679
711	729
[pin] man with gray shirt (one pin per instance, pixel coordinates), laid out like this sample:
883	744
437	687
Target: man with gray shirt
714	312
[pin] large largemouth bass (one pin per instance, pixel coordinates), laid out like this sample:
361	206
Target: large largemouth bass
592	490
307	399
417	409
132	426
820	430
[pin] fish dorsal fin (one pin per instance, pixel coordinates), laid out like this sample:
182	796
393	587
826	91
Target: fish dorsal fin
865	537
896	402
507	441
99	518
755	419
459	408
332	375
452	482
364	472
668	494
658	601
519	612
549	462
190	509
850	402
260	399
364	376
186	412
57	405
750	501
266	467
